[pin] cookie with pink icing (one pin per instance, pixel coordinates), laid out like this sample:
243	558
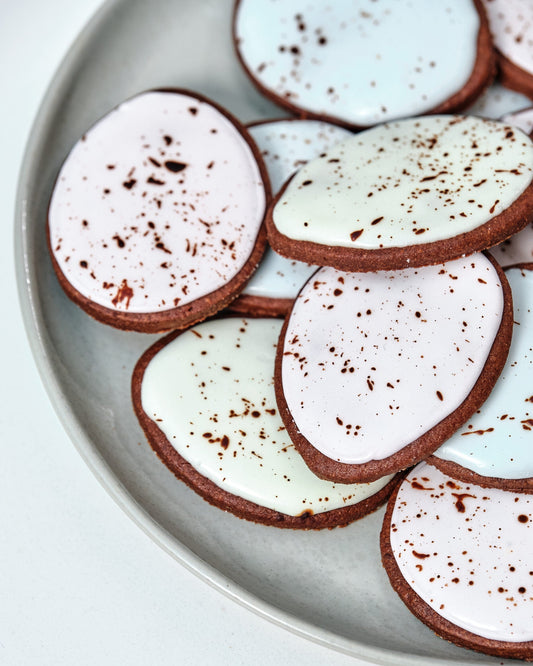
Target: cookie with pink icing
407	193
341	61
493	448
144	231
206	402
374	371
459	556
285	145
511	25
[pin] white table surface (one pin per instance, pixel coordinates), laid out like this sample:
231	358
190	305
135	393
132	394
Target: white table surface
79	582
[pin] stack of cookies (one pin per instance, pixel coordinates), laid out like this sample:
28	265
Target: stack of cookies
376	346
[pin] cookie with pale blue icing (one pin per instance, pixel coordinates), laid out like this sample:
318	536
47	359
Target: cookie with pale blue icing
367	62
285	145
493	448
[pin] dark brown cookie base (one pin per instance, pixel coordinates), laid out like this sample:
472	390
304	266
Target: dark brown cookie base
333	470
514	77
261	306
480	79
465	475
191	313
510	221
226	501
442	627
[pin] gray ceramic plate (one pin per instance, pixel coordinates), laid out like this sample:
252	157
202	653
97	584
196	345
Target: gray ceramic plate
328	586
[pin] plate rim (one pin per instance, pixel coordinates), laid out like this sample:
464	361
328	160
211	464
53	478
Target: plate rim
33	322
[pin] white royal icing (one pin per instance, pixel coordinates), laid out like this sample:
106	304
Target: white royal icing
286	145
211	391
362	62
143	217
408	182
498	440
497	101
466	551
372	361
511	25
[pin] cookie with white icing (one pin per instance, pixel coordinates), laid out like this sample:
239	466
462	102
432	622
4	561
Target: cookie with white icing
374	371
408	193
340	61
143	230
285	145
494	447
459	556
206	402
511	25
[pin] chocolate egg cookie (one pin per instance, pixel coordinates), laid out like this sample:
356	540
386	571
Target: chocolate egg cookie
459	556
374	371
285	145
494	447
408	193
511	25
365	63
206	402
145	232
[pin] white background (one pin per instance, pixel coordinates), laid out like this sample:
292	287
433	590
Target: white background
79	582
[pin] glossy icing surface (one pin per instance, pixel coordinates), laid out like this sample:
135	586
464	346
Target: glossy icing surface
211	391
511	25
497	441
343	59
466	551
407	182
522	119
374	360
286	145
497	101
517	249
142	218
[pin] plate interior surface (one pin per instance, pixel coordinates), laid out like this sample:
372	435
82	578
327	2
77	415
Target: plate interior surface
328	586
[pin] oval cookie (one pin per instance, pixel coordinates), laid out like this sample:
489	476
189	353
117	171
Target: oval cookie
145	232
206	402
285	145
340	61
409	193
511	25
459	556
497	101
375	370
494	447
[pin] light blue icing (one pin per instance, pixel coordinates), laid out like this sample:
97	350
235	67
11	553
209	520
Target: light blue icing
364	62
498	439
285	146
498	101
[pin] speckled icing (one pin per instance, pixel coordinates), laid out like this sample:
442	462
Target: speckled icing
497	101
362	62
517	249
374	360
511	25
466	551
498	439
408	182
211	391
522	119
286	145
157	205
